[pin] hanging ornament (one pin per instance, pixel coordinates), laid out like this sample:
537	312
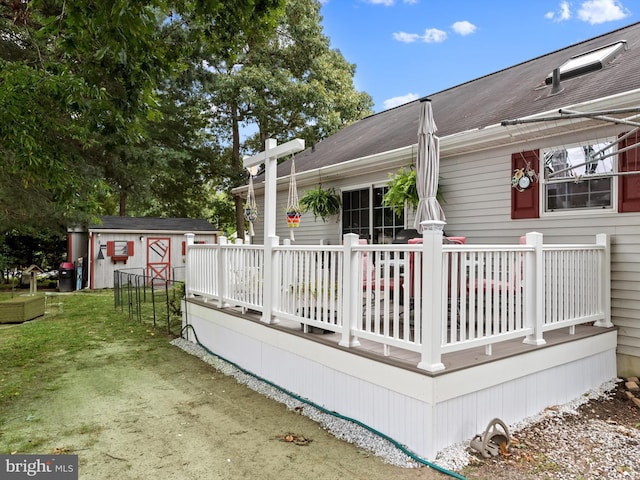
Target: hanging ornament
294	212
523	177
250	208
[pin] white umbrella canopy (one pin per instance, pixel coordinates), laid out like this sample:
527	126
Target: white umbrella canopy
427	168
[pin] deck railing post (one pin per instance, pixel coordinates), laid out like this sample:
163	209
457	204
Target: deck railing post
270	276
605	279
534	289
432	305
221	271
189	240
351	291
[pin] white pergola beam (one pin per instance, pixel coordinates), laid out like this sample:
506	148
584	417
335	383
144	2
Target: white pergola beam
294	146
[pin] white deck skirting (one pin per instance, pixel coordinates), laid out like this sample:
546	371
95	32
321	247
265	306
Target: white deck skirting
425	412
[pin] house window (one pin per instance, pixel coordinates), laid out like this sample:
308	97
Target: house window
364	214
579	177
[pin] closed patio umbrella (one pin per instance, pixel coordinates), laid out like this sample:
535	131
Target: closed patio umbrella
427	168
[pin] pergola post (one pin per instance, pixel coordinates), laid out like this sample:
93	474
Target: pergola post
270	157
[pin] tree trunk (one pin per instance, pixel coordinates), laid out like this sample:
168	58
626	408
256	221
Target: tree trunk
123	203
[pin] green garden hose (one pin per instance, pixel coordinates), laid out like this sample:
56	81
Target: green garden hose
396	444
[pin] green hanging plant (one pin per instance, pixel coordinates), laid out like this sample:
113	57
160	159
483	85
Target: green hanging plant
402	190
322	202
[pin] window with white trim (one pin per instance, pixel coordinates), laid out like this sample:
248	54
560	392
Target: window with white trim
579	176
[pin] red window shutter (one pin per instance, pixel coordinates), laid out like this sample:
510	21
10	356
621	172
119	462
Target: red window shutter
184	247
526	204
130	249
111	250
629	185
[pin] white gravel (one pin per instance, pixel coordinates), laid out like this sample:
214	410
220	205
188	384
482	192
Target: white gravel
614	451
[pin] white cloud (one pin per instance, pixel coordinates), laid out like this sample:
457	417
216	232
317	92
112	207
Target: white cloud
401	100
386	3
406	37
464	28
600	11
410	2
433	35
563	13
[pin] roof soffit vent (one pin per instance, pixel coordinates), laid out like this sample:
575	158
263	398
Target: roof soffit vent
589	61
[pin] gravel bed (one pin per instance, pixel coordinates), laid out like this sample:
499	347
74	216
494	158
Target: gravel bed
576	448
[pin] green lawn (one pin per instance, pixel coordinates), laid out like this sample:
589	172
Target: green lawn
35	353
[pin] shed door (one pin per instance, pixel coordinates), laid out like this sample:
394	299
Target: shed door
158	259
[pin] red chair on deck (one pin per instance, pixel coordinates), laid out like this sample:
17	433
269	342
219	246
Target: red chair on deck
414	241
499	286
369	275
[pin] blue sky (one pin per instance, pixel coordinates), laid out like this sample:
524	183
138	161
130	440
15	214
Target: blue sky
406	49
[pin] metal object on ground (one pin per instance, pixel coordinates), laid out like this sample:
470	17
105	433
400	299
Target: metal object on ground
489	443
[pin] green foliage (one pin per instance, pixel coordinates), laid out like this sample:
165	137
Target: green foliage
402	191
285	83
322	202
81	87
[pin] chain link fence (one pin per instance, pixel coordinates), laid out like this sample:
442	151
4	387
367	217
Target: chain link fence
150	299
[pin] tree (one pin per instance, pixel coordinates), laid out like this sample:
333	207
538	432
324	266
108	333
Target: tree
79	84
80	87
287	84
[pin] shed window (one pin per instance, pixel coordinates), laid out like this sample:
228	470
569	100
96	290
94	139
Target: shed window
579	177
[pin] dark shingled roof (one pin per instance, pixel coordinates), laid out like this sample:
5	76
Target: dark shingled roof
153	223
511	93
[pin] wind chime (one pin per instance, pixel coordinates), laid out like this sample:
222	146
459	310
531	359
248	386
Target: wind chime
250	208
294	213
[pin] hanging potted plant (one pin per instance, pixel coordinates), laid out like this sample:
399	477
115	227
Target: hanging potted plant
293	217
402	191
322	202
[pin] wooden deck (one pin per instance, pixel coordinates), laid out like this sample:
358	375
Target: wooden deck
408	360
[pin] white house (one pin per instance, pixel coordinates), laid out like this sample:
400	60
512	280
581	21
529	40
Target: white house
428	342
154	247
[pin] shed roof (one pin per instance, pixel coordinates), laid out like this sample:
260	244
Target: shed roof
514	92
153	223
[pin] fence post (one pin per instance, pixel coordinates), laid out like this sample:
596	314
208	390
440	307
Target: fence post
351	291
221	271
431	296
269	276
605	279
534	289
189	239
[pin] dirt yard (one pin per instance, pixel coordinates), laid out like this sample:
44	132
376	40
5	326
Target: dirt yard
155	412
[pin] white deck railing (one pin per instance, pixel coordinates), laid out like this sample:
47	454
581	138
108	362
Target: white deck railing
428	298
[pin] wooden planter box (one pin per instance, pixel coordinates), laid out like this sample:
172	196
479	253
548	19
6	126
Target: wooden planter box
17	310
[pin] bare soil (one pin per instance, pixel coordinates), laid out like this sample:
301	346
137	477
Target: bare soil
133	412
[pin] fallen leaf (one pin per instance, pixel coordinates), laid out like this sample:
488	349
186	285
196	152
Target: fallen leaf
504	450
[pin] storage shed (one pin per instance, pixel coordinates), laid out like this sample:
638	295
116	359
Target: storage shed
151	246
